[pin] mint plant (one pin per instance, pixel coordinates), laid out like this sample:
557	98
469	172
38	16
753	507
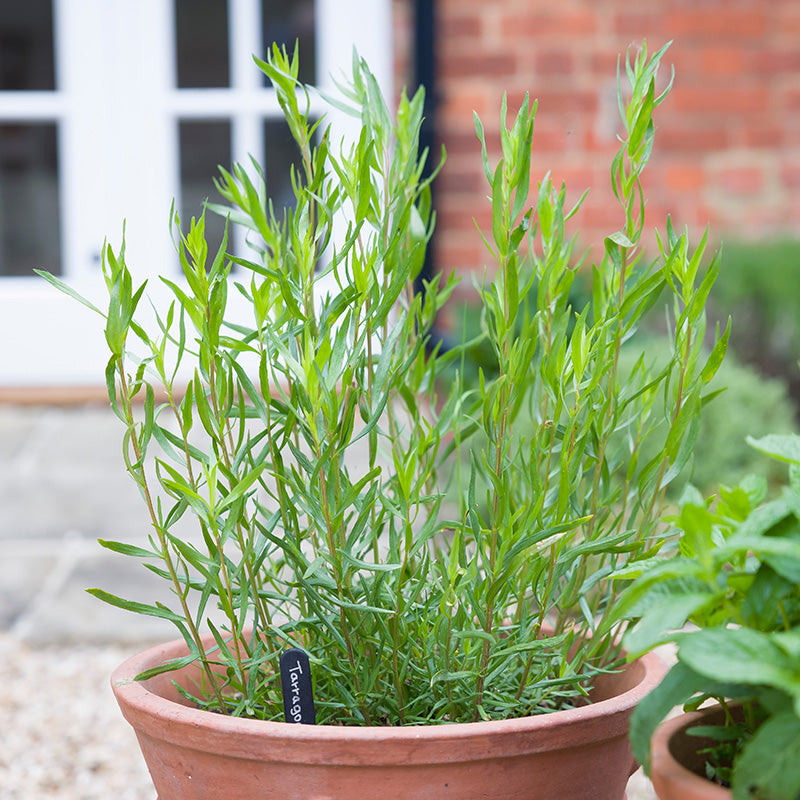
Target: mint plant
314	444
736	578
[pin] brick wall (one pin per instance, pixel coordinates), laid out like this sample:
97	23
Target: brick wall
727	148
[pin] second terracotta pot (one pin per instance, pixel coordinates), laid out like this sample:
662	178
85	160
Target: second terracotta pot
577	754
677	771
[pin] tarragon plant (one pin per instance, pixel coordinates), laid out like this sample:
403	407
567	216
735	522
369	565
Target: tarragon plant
314	442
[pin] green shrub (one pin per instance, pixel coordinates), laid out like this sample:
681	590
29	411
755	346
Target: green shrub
758	287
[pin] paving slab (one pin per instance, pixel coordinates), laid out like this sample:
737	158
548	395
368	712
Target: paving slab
61	470
62	486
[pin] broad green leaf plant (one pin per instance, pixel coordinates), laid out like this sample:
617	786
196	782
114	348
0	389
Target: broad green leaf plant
314	444
736	579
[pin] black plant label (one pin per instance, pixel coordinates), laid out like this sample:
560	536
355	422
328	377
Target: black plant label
298	694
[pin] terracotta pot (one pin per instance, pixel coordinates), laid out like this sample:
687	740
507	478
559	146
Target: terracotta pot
678	772
577	754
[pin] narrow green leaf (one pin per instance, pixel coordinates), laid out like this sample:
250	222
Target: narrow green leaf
242	487
168	666
136	608
68	290
128	549
369	566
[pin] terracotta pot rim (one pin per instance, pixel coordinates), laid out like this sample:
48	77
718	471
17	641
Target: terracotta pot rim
669	775
137	700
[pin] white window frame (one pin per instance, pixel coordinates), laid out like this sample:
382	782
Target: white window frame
115	65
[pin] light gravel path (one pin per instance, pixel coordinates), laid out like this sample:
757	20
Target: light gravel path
62	486
61	734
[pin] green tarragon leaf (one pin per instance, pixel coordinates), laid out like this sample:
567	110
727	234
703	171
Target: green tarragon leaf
137	608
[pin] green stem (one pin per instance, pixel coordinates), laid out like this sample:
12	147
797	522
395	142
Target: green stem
163	543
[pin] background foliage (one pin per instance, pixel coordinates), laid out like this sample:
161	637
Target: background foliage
758	287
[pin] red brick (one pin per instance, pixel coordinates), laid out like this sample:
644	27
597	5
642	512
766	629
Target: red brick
555	22
737	86
791	132
792	99
636	24
603	62
553	101
788	21
576	178
685	177
452	254
764	134
459	103
726	99
462	173
604	217
460	27
549	137
722	61
457	181
779	61
685	137
478	65
704	218
725	22
463	221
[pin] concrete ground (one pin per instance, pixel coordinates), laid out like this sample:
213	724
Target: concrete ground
62	486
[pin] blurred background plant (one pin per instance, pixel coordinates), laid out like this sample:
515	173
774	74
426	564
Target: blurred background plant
759	285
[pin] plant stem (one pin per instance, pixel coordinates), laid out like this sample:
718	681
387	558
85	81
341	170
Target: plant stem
165	550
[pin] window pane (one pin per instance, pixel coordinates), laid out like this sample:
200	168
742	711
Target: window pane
26	46
29	224
280	152
205	146
201	47
288	21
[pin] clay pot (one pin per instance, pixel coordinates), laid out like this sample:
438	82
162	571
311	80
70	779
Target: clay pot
577	754
677	771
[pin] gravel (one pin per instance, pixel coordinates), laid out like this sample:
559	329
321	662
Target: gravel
62	736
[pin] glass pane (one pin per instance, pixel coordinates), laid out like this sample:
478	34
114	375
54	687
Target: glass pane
280	152
29	224
201	46
288	21
205	146
26	46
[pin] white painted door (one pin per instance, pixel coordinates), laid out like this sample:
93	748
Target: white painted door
109	109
